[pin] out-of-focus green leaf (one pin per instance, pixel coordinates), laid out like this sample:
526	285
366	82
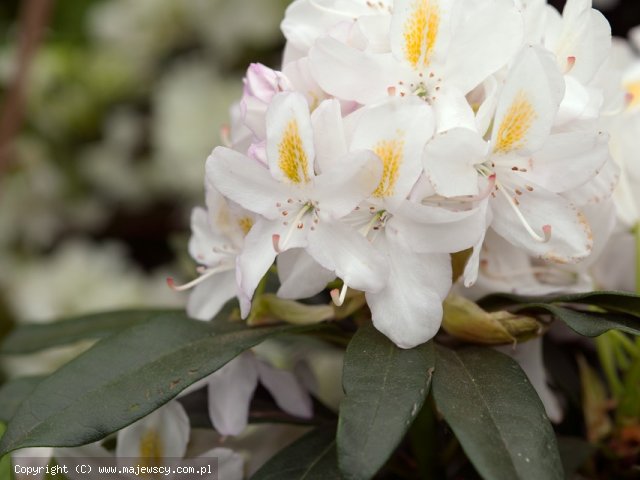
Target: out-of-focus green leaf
14	392
125	377
594	403
312	457
574	452
32	338
496	415
385	388
629	403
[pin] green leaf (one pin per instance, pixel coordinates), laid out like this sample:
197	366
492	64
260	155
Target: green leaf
6	472
13	393
32	338
624	302
312	457
589	324
574	452
385	388
496	415
127	376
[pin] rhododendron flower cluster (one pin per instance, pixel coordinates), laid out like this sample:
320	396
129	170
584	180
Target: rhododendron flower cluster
398	133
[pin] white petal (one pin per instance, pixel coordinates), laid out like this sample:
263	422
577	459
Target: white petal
230	392
484	42
164	432
571	238
230	465
568	160
396	130
450	159
300	275
203	238
208	297
342	250
452	110
328	134
288	393
339	70
409	309
528	104
290	147
245	181
340	189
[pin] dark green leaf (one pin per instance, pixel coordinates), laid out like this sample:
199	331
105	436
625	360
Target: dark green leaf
125	377
313	457
385	388
35	337
6	472
13	393
589	324
496	415
574	452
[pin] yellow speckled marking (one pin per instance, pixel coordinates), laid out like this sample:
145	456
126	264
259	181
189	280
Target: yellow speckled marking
515	124
293	159
151	449
390	152
421	32
245	224
633	89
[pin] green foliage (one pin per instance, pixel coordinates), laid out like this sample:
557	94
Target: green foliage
13	393
125	377
496	415
385	389
313	457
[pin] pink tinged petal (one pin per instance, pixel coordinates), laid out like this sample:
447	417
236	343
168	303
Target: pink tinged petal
230	465
428	229
230	392
350	180
290	149
245	181
396	131
339	70
300	275
163	433
568	160
342	250
450	159
485	41
286	390
528	104
409	309
570	237
328	134
263	83
208	297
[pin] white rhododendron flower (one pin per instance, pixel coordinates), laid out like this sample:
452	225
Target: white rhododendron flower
401	132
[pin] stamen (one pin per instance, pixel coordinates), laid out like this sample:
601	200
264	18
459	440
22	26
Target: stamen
571	61
225	136
206	273
546	229
296	224
338	296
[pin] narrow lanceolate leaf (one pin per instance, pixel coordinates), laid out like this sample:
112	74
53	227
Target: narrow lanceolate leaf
125	377
589	324
385	387
35	337
496	415
313	457
14	392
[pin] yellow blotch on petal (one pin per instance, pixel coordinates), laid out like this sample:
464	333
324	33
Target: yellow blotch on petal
390	152
421	32
245	224
515	124
633	89
151	449
293	159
